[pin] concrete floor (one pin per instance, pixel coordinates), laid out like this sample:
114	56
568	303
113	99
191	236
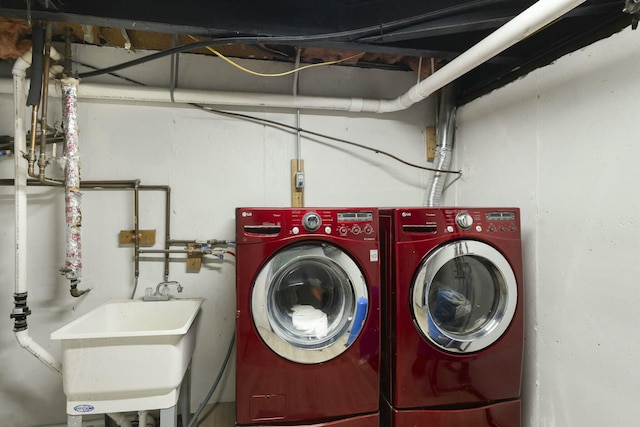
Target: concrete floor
218	415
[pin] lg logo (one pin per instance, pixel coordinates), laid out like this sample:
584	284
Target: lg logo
246	214
406	214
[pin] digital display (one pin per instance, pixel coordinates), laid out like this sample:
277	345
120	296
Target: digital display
355	216
501	216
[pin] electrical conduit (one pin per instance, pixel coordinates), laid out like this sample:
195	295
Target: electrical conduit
21	310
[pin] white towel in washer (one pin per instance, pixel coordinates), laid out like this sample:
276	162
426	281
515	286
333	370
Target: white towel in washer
310	320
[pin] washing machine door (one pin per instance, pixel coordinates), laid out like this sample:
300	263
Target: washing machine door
309	302
464	296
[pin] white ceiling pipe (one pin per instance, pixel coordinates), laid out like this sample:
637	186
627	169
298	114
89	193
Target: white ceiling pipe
536	17
522	26
239	99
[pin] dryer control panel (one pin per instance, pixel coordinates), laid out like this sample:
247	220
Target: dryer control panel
349	223
415	223
492	221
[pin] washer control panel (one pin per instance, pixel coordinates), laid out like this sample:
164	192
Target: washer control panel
347	223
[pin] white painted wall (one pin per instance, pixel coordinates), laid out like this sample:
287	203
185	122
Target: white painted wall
213	164
562	143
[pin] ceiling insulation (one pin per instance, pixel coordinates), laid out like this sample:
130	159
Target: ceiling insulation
403	34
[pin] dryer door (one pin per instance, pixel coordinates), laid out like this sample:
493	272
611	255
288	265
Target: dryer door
464	296
309	302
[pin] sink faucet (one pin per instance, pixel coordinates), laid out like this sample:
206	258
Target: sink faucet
162	291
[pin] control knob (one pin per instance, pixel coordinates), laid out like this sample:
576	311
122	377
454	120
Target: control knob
464	220
311	221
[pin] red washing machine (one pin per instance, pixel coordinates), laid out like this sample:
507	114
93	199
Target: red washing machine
452	317
308	317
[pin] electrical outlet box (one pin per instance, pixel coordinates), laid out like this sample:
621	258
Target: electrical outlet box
297	183
299	180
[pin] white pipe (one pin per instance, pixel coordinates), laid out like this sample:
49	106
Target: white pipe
20	146
539	15
38	351
121	419
522	26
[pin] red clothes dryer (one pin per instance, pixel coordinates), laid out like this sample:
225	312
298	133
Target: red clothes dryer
308	317
452	317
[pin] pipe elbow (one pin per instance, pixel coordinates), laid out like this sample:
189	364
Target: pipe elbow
75	292
54	54
22	64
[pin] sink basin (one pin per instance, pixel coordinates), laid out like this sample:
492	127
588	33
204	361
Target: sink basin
127	355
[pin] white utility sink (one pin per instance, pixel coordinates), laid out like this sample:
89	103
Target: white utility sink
127	355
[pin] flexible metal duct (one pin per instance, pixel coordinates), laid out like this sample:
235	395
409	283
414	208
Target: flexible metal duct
445	132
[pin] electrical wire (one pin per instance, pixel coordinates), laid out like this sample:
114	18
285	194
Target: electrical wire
276	124
264	48
350	35
285	73
321	135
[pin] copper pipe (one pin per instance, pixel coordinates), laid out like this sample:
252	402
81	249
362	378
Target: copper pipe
177	242
111	185
136	230
68	33
167	229
31	156
172	251
42	161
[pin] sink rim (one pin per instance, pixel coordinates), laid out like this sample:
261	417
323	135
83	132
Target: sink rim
70	332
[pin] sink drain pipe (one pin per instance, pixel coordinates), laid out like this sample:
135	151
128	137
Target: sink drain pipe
21	309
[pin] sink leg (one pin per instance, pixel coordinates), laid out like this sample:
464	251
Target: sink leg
185	398
74	420
169	417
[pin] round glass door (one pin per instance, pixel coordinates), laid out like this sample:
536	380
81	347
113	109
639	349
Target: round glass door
464	296
309	302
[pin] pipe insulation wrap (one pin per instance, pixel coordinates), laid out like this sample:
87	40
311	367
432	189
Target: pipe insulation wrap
73	263
37	49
